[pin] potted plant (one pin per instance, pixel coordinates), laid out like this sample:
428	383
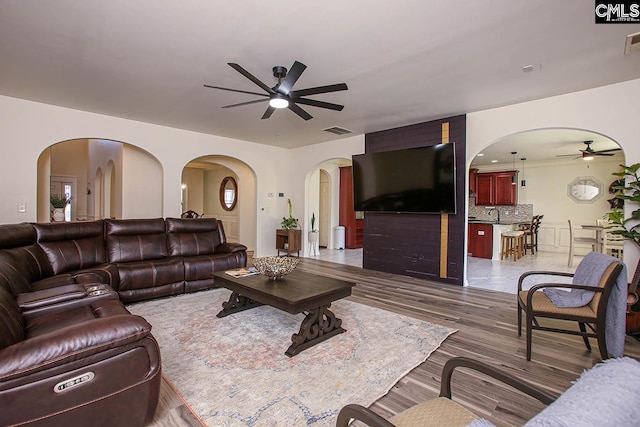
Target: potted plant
58	203
313	233
289	222
628	189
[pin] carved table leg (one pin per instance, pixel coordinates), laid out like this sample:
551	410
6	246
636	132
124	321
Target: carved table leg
319	324
237	303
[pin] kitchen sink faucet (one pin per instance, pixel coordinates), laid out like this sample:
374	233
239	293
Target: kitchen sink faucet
497	210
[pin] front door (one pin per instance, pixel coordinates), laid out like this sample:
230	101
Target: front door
64	187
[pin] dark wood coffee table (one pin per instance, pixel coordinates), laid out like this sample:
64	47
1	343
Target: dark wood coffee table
297	292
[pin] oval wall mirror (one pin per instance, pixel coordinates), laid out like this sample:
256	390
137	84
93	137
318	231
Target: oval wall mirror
228	193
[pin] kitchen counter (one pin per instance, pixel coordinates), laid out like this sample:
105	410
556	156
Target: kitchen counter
497	230
507	222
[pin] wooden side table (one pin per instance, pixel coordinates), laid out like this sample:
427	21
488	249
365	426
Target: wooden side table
289	241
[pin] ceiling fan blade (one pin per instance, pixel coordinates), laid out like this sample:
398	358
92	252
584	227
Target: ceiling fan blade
244	103
268	112
602	153
299	111
317	90
291	78
610	150
250	76
320	104
570	155
235	90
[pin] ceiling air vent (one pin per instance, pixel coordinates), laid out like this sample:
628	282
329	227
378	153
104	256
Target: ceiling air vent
338	130
633	44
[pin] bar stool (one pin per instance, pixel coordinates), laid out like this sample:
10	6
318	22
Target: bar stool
512	245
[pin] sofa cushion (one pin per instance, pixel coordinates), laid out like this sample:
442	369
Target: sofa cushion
605	395
203	267
11	323
72	246
16	235
62	337
189	237
22	261
148	279
135	239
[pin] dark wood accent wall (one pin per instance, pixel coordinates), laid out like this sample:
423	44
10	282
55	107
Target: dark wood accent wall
410	244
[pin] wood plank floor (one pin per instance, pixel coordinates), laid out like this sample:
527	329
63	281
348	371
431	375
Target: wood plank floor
487	330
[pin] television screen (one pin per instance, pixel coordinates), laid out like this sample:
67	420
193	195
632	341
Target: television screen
418	180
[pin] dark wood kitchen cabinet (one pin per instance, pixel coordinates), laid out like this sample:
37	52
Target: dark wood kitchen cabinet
353	227
496	188
480	243
472	180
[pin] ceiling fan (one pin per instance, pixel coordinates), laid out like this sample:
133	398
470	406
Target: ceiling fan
281	95
589	153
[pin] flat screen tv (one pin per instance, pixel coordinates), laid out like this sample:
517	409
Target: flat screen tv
416	180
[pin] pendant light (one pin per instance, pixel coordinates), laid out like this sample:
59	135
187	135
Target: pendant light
523	182
514	178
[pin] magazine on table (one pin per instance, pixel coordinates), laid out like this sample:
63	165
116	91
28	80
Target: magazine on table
243	272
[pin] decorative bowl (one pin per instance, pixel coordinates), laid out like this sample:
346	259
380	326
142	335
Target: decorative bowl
275	267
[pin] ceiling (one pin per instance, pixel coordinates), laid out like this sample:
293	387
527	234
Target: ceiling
404	62
558	145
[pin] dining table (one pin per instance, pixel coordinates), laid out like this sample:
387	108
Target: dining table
598	230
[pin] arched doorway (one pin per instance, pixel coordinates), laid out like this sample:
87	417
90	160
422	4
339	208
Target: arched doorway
112	179
547	161
323	198
201	184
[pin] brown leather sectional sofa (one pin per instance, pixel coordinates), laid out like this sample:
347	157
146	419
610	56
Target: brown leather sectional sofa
70	352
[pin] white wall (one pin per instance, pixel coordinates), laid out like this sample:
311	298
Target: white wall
142	193
101	152
306	162
611	110
30	127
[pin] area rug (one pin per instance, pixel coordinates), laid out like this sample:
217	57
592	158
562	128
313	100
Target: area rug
233	371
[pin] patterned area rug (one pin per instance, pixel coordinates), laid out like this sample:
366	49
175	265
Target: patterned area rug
233	371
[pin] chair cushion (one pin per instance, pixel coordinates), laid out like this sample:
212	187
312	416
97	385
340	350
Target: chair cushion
440	412
542	303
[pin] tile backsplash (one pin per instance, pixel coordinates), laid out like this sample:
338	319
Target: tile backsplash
517	213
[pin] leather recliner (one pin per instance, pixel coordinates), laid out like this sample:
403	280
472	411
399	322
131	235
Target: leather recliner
93	364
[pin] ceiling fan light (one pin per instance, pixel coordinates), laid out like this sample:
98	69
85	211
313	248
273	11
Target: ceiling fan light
278	101
587	157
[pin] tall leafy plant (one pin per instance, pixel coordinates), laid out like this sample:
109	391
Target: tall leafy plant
628	191
289	222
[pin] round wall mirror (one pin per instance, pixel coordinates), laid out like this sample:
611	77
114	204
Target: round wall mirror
228	193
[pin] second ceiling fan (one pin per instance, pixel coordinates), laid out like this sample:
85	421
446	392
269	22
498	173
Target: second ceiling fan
281	95
589	153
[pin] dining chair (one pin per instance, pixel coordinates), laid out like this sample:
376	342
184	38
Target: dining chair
578	240
531	234
190	214
610	243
